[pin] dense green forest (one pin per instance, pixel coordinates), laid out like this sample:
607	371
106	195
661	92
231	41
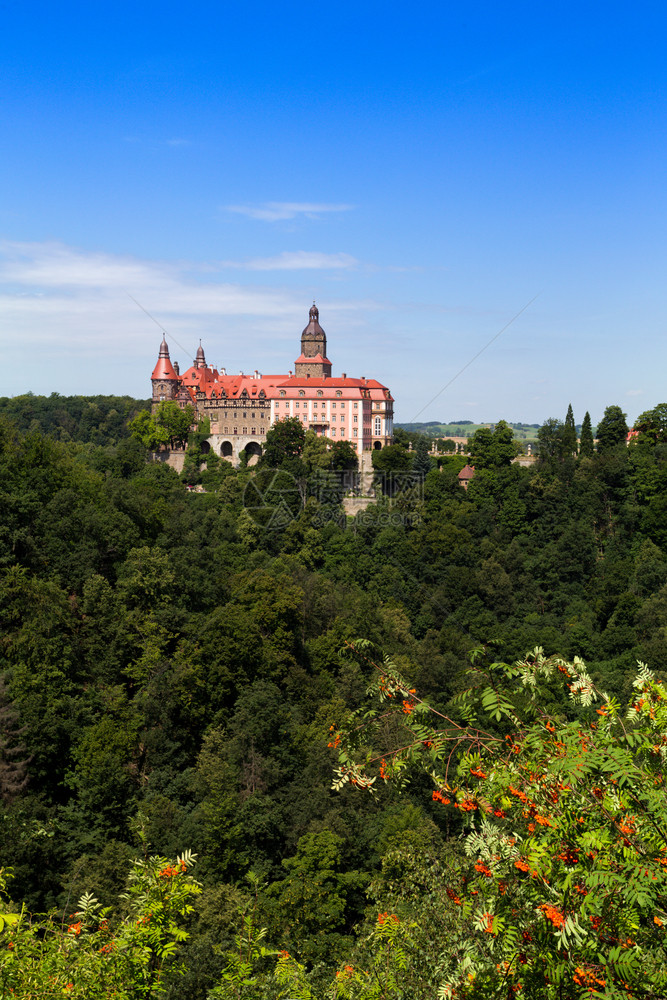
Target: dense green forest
171	668
99	420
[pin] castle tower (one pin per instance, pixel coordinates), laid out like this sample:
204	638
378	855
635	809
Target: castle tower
313	359
200	360
164	379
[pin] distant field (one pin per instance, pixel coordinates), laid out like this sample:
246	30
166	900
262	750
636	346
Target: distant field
465	428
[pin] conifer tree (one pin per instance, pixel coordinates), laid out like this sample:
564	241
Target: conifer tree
586	441
569	434
421	463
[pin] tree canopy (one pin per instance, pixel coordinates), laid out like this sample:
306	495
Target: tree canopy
612	429
284	440
171	677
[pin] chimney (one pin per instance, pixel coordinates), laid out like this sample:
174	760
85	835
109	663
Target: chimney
344	375
176	368
256	373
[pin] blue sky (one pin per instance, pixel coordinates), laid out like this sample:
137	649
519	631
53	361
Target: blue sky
423	173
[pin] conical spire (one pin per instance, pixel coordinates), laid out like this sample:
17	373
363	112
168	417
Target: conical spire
200	360
164	368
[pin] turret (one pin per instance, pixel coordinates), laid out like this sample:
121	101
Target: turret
200	360
164	379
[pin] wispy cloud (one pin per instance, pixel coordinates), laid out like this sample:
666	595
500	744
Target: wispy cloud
67	322
280	211
37	277
634	392
298	260
178	142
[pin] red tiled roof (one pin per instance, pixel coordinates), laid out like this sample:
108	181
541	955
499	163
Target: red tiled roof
318	382
467	472
318	360
212	384
164	369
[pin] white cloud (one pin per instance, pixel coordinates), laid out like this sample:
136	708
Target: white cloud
279	211
54	265
634	392
68	324
298	260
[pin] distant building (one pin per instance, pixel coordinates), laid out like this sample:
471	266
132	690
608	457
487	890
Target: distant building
465	475
241	408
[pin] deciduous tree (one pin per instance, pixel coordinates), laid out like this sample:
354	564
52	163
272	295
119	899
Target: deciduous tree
612	429
564	891
285	440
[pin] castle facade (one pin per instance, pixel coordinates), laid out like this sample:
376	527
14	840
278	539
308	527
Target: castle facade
241	408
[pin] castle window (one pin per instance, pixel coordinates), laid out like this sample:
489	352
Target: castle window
162	399
245	430
378	425
282	392
338	392
354	431
356	406
252	430
253	417
333	432
333	406
236	430
319	392
301	392
333	417
297	405
245	416
356	419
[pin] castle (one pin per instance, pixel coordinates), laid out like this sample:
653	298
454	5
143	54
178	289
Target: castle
241	408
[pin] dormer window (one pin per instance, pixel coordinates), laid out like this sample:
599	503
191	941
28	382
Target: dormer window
301	392
338	392
319	392
282	392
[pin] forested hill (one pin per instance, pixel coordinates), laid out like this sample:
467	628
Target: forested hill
170	662
98	419
465	428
